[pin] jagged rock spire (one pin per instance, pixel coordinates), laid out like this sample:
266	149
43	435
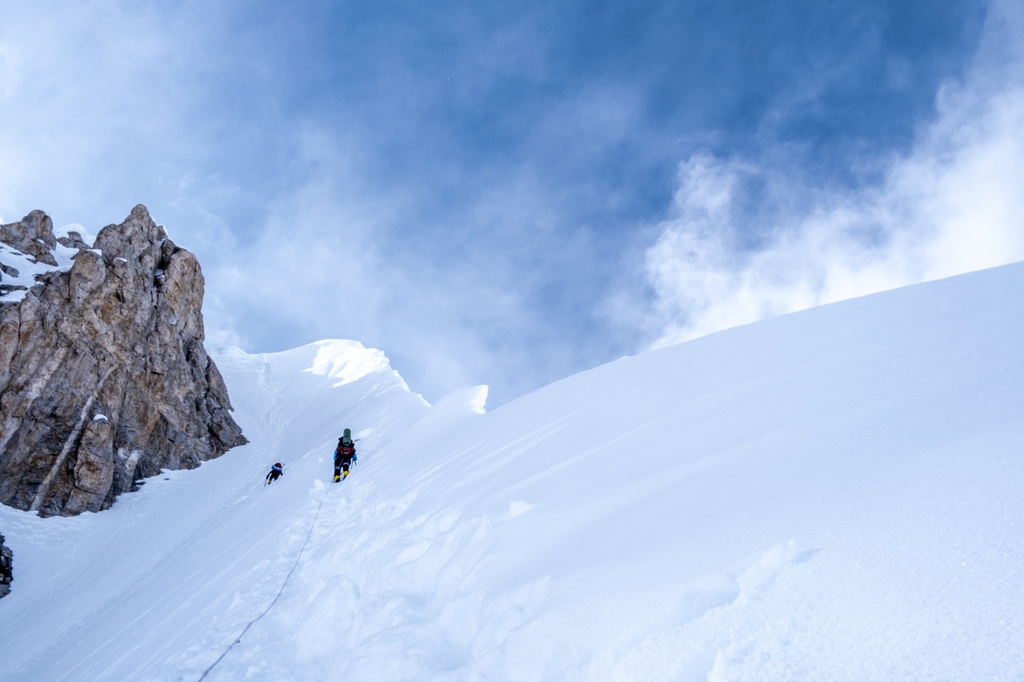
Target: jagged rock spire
104	378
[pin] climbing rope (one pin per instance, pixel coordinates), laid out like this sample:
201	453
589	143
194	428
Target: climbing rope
279	592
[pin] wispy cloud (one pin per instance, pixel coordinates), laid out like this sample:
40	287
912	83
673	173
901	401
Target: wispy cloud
952	204
335	257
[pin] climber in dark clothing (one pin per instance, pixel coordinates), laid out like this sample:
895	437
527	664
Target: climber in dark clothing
344	455
275	471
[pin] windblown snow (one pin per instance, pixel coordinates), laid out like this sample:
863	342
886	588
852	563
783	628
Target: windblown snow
836	494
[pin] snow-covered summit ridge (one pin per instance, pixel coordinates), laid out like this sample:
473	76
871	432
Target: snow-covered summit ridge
347	361
342	360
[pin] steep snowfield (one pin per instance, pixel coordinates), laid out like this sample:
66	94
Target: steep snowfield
836	494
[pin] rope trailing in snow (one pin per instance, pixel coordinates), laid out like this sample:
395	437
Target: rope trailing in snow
238	639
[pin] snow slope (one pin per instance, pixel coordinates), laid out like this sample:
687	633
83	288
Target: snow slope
835	494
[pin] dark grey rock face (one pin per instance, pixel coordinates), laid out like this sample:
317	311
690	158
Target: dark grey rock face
104	379
6	568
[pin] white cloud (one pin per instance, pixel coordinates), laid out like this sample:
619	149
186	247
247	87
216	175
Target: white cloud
101	102
953	204
328	260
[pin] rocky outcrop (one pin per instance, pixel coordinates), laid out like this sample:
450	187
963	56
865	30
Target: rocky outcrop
6	568
32	236
104	379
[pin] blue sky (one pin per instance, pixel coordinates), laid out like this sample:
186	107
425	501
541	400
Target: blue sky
510	192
